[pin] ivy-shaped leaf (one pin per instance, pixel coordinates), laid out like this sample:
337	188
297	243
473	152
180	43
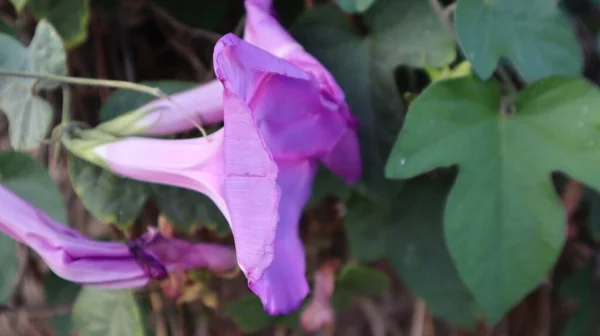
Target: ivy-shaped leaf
400	33
534	35
69	17
417	250
29	116
409	233
110	198
30	180
107	312
504	224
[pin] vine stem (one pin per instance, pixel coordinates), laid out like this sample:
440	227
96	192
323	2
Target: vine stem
102	83
443	15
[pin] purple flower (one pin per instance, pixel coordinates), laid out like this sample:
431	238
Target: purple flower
259	168
104	264
204	103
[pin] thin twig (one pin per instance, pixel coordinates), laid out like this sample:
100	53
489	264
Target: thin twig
125	45
157	308
37	311
377	320
418	320
162	14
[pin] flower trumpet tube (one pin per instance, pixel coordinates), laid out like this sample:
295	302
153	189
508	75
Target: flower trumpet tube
258	169
104	264
204	103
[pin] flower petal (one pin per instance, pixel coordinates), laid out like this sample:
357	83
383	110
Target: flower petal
283	286
190	163
105	264
293	118
202	104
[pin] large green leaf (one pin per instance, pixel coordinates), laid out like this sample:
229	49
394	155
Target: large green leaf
122	101
409	233
504	223
29	116
107	312
578	287
400	33
356	280
30	180
418	253
10	265
327	183
353	6
534	35
69	17
60	292
249	315
366	226
185	208
110	198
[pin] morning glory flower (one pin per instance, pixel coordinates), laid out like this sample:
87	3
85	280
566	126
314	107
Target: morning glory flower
259	168
76	258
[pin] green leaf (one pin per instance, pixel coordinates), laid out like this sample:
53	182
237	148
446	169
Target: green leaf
10	266
400	33
578	286
30	180
185	208
328	183
107	312
19	4
355	6
249	315
122	101
7	28
355	280
504	224
366	225
69	17
60	292
110	198
533	35
418	253
29	116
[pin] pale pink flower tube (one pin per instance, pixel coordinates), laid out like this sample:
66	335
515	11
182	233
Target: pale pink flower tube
104	264
259	168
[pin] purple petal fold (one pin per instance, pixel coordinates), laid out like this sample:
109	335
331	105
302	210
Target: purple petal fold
105	264
280	120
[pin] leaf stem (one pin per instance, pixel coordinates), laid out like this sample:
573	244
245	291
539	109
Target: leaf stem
88	81
103	83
